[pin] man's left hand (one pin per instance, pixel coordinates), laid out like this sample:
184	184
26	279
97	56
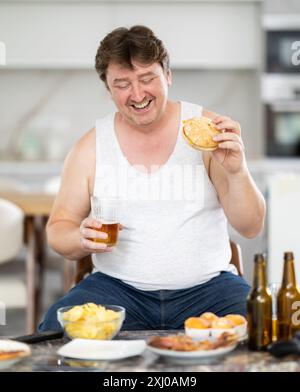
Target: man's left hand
230	151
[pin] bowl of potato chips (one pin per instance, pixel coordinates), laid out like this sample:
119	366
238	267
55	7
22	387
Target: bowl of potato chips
91	321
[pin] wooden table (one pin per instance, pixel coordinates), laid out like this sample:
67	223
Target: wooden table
37	208
44	358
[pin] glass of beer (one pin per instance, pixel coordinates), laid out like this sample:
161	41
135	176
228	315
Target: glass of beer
274	288
106	211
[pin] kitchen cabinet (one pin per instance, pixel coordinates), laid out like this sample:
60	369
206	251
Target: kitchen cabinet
198	34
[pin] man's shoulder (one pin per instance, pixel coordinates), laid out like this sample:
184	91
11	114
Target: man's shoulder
86	143
86	140
83	148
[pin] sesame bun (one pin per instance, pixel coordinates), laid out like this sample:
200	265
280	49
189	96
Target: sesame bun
236	319
196	322
199	131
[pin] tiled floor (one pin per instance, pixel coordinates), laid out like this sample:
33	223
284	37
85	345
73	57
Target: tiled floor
53	289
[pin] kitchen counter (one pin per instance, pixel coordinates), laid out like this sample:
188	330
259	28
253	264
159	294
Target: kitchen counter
38	171
44	358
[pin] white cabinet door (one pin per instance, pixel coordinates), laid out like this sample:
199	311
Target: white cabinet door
197	34
202	35
53	35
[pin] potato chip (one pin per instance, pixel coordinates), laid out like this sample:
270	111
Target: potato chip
73	314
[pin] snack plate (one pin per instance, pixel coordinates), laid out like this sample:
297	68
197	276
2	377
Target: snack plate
187	356
9	362
102	349
11	345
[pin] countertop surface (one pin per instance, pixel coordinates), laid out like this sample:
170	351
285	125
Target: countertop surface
266	164
45	358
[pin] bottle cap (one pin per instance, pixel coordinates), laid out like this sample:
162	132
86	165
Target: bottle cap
259	258
288	256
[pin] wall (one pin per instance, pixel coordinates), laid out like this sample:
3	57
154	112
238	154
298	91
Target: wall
42	99
281	7
49	87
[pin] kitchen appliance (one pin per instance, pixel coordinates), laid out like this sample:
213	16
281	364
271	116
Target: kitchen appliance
281	86
281	96
283	55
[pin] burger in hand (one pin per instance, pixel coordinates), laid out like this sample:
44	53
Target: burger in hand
199	133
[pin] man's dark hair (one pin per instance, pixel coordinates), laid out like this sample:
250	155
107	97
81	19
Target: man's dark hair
123	45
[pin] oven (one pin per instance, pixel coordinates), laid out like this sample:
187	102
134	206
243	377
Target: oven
283	128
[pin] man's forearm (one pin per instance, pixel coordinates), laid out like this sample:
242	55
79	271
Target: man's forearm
64	237
245	207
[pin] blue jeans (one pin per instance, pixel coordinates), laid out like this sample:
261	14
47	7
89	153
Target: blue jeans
160	309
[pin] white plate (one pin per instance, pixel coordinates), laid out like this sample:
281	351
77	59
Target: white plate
192	355
102	350
12	345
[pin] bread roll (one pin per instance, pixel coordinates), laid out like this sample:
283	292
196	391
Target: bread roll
221	323
209	317
236	319
196	322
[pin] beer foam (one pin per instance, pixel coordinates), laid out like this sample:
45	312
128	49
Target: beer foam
108	222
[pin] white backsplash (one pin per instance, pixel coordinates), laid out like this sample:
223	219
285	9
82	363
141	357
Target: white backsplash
40	103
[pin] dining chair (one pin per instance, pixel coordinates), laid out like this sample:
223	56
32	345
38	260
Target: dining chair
236	257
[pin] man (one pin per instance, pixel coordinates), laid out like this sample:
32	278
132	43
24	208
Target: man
172	258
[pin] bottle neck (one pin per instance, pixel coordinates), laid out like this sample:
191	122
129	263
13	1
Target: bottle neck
289	279
259	280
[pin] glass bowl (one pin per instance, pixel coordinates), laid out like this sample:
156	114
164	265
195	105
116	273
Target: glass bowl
89	326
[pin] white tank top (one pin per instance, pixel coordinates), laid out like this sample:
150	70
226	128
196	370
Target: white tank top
175	231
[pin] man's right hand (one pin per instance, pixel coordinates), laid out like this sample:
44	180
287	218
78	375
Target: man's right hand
90	229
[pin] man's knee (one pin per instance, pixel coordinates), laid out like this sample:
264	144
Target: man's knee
237	300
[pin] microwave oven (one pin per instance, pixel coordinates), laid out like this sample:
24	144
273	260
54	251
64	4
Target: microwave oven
283	51
282	46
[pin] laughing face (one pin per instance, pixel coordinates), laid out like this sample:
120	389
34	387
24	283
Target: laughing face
140	94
